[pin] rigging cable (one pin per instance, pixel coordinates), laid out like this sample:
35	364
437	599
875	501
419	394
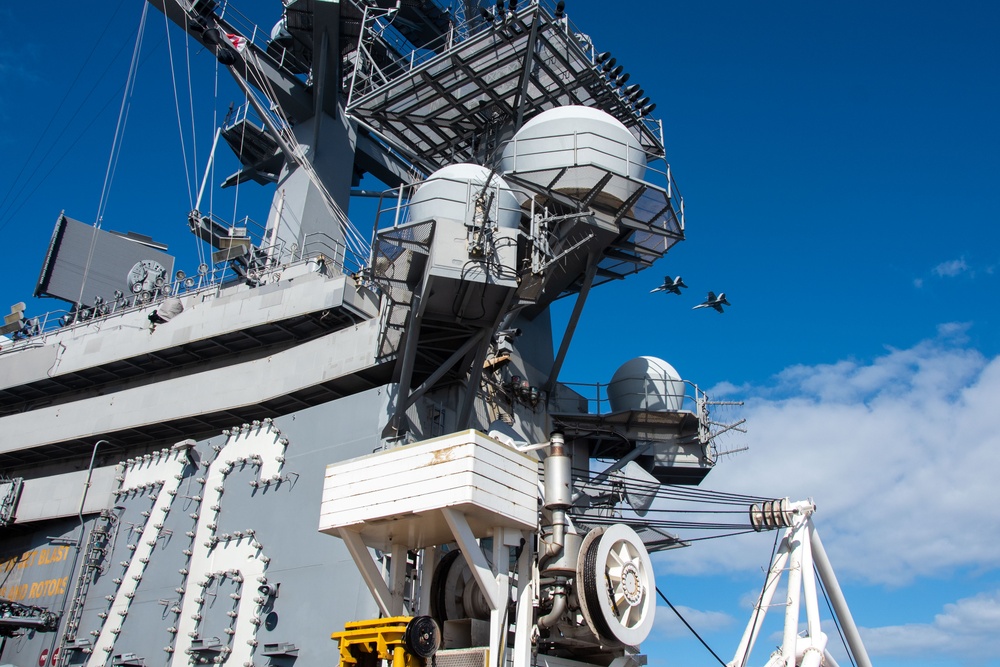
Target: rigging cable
59	105
236	193
177	108
194	133
684	621
116	144
767	577
353	239
78	132
833	615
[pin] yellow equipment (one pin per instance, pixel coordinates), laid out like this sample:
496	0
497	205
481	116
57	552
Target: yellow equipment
406	641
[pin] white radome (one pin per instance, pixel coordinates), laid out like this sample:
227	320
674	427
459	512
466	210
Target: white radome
646	383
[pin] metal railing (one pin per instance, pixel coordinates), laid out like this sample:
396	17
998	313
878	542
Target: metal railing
594	144
396	203
38	330
377	26
659	394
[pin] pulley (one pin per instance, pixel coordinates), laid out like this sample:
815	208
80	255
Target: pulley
615	585
422	636
771	514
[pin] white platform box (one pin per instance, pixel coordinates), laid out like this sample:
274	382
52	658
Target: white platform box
396	496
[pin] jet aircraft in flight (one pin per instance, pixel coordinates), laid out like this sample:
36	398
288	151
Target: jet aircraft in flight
674	286
713	301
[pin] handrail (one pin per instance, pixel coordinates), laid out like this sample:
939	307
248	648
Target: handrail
655	391
39	329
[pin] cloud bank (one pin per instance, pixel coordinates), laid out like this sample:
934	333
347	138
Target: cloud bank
968	629
899	453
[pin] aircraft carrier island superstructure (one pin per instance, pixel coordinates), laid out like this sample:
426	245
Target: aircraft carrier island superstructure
327	431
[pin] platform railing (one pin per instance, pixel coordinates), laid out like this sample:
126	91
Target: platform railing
39	329
653	168
409	56
394	206
656	394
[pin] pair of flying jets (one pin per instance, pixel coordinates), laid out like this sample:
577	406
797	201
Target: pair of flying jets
675	285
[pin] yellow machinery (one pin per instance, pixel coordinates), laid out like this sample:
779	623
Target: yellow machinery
405	641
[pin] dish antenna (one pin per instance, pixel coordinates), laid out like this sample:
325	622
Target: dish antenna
640	487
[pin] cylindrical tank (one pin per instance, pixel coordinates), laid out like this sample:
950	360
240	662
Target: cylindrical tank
646	383
578	137
451	193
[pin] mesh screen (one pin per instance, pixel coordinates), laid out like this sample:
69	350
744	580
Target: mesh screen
463	657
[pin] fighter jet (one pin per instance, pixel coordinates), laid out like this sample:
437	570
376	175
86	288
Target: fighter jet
713	301
674	286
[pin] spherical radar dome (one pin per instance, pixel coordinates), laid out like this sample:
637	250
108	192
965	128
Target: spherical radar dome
450	194
575	135
646	383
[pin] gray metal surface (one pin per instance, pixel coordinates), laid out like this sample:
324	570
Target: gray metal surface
198	541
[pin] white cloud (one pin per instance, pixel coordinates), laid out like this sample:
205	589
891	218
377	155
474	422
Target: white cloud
704	622
900	455
969	628
951	269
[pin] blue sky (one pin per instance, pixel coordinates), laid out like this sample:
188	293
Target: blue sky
839	164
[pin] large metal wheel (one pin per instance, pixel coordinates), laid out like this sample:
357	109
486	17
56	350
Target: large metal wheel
454	592
615	585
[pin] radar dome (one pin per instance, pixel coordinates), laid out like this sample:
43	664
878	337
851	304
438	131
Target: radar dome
581	137
450	193
646	383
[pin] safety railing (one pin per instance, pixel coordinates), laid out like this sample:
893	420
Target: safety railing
395	204
37	330
261	38
404	56
590	148
656	394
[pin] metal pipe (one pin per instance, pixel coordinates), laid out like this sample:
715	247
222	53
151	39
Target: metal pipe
208	169
86	486
837	600
558	495
763	603
795	539
76	554
558	607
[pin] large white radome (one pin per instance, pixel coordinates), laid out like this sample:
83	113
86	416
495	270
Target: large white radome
450	193
646	383
575	136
